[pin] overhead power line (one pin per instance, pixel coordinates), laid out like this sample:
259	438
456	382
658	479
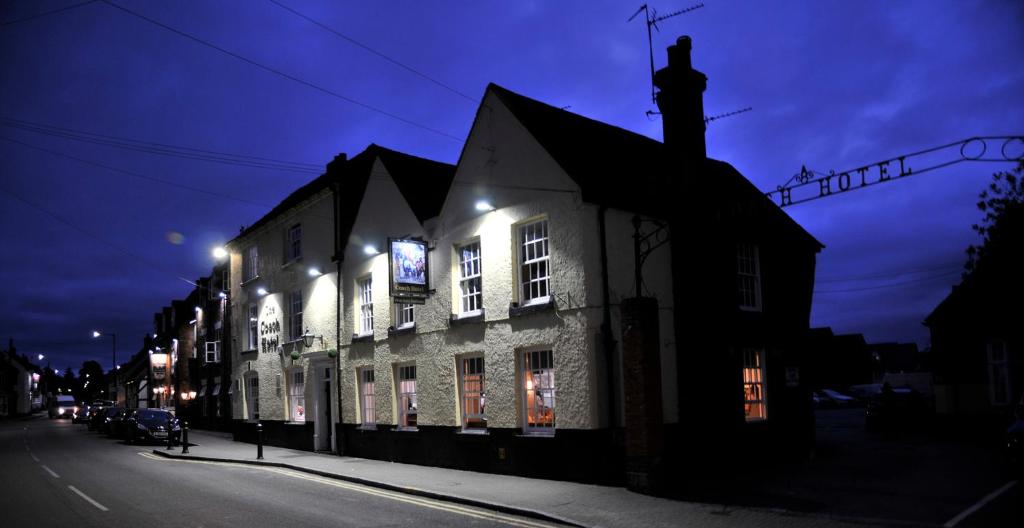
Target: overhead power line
161	149
47	13
890	275
892	284
282	74
373	51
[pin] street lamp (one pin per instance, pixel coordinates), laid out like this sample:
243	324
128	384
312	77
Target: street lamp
113	356
308	337
220	253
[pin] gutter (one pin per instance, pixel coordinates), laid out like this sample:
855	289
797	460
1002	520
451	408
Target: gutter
607	339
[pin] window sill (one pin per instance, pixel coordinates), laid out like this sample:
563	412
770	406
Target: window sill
367	427
476	316
250	351
409	329
536	435
249	281
295	423
754	309
473	432
517	310
365	338
407	429
291	263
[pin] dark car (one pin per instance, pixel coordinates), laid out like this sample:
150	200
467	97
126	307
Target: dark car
152	425
896	408
95	417
111	418
1015	441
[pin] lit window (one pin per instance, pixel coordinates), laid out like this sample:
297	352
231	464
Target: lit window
251	264
366	403
748	274
254	331
252	396
295	315
534	263
998	373
539	391
754	385
471	372
297	395
407	404
471	295
293	243
366	306
405	316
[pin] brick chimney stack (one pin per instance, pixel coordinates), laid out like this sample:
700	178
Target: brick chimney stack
681	101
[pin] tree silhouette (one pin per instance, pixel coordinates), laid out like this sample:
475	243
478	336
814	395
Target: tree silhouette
1002	227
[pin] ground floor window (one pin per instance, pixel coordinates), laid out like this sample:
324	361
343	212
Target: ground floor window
754	385
407	404
539	391
297	395
252	396
366	403
471	376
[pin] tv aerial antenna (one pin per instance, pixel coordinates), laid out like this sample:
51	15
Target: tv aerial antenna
652	18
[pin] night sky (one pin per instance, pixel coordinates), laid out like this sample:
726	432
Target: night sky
100	242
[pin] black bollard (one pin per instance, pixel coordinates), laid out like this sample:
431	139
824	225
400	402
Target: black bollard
184	438
170	429
259	441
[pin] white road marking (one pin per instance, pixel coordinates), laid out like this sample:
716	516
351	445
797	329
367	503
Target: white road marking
50	471
33	455
979	505
88	498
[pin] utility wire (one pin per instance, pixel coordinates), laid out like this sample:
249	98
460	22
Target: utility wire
90	234
136	174
46	13
281	73
160	148
891	285
888	275
373	51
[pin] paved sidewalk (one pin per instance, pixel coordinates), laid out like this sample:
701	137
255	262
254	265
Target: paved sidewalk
572	503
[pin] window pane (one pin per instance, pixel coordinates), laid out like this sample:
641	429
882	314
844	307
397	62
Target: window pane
539	387
473	398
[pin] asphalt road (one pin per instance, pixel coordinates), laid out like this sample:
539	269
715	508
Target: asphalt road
55	473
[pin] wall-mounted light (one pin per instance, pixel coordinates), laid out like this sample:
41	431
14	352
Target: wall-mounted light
220	253
484	205
223	295
261	291
315	272
370	250
308	337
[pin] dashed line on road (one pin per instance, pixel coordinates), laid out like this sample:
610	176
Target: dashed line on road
33	455
979	505
410	499
50	471
88	498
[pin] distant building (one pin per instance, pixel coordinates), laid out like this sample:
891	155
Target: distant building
837	361
19	384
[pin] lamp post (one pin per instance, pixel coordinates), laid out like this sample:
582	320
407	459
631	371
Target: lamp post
113	355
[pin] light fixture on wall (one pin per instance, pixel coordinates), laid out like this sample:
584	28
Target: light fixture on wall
370	250
220	253
308	337
484	205
315	272
261	291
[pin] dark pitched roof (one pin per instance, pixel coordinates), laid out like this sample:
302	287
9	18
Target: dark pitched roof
600	157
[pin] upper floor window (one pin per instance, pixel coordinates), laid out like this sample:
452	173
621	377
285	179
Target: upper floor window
250	264
293	243
295	315
754	385
748	274
998	373
367	408
471	376
254	333
297	395
539	391
470	292
365	298
534	262
213	351
405	315
408	407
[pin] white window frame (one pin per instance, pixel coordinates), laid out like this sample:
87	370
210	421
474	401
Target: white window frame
214	350
472	371
748	277
364	313
295	299
998	368
533	255
538	378
365	384
252	395
293	243
405	392
250	263
755	385
471	298
405	315
297	395
254	326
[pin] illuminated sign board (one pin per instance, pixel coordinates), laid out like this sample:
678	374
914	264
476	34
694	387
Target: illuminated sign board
159	364
408	263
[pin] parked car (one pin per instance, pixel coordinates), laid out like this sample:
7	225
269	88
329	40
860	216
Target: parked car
1015	441
96	415
111	417
81	414
895	408
830	399
63	406
152	425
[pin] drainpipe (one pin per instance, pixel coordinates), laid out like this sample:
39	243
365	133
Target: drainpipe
339	256
607	340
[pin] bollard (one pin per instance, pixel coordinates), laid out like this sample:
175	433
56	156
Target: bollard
259	441
170	430
184	438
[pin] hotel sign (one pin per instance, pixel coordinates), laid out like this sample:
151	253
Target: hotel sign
409	270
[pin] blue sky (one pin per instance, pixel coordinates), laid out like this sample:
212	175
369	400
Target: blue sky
833	85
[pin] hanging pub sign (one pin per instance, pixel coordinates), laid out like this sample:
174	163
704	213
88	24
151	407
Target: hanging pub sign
158	362
407	260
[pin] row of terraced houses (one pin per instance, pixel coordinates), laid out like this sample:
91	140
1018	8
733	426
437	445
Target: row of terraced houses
569	300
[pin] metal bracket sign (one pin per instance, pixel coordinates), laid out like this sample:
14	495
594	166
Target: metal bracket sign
809	185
